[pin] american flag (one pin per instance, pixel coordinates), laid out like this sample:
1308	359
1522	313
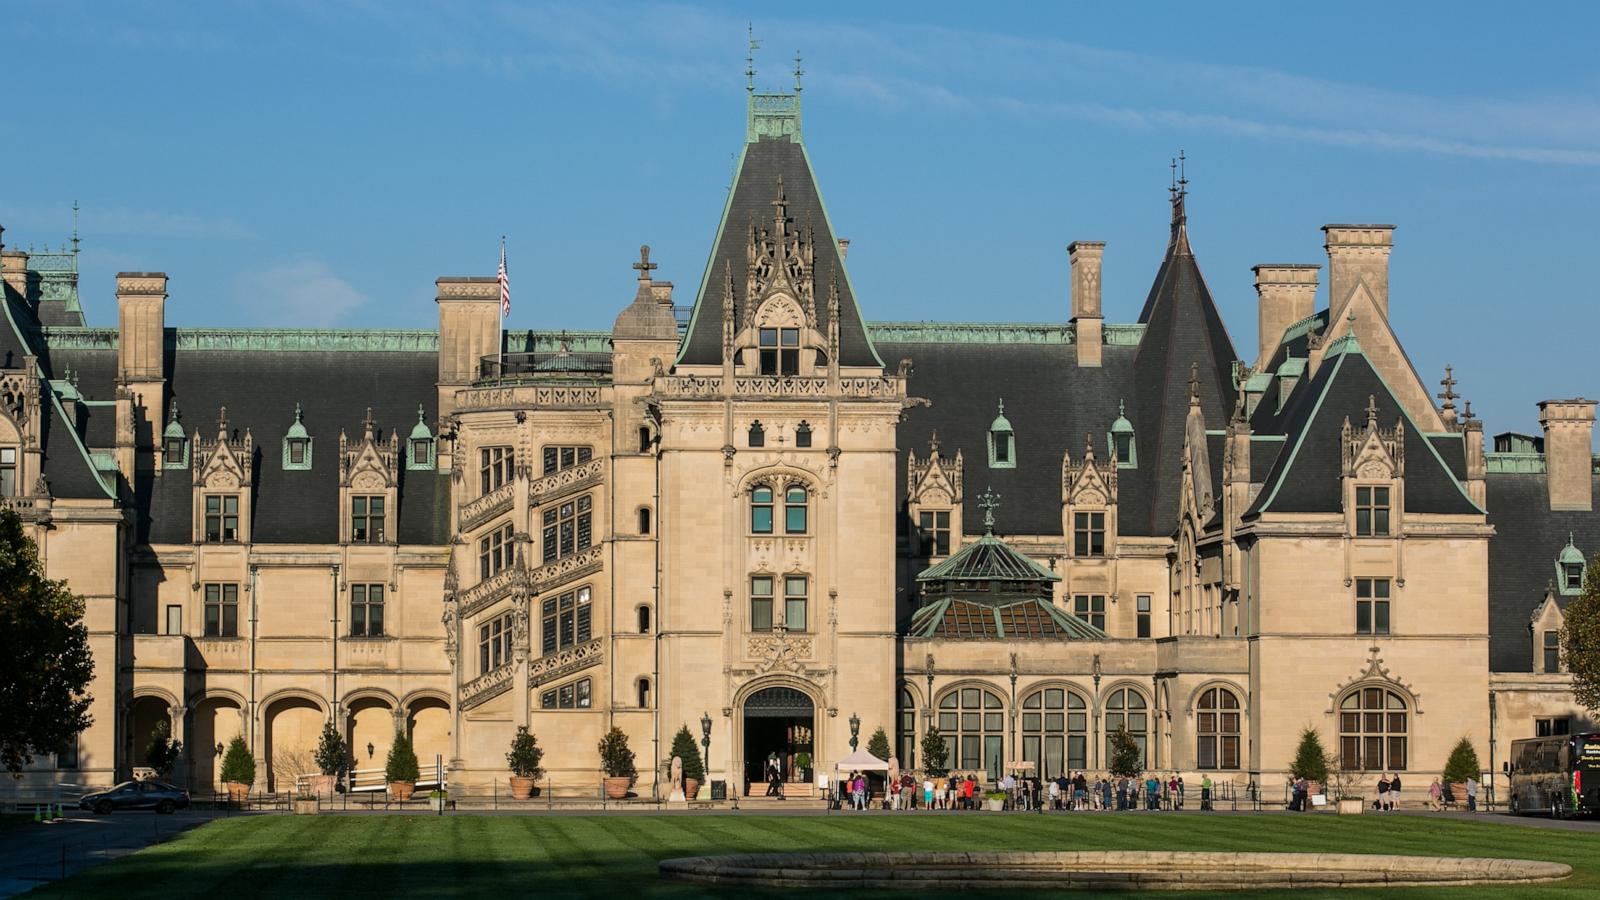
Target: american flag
505	282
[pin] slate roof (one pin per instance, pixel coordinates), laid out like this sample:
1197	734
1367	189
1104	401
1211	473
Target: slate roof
1528	538
1306	475
755	186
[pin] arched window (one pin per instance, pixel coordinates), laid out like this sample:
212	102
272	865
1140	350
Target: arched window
644	693
644	520
1055	731
761	510
906	716
758	434
644	620
1373	724
1217	730
794	510
1127	708
973	722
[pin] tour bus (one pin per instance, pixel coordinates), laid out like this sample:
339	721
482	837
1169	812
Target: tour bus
1557	775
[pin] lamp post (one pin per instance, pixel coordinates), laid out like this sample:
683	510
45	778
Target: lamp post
705	743
217	763
855	731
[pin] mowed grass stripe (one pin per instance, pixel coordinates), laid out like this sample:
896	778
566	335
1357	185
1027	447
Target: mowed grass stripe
615	856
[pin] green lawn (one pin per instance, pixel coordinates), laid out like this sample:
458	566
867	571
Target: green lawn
615	856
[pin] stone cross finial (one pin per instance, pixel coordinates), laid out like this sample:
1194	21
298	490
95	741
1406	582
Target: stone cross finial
369	424
1466	413
222	422
780	205
988	501
1449	382
1372	411
644	265
933	444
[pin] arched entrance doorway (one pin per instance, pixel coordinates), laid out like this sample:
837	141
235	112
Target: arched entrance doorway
778	726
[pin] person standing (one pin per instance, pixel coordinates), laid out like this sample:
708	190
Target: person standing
1472	794
1394	791
1383	793
1152	788
1205	792
1180	792
1105	793
927	792
1436	796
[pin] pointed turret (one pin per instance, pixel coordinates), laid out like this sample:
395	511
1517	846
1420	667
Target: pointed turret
1184	336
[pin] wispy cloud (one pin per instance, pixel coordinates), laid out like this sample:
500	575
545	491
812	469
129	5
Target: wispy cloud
973	72
303	293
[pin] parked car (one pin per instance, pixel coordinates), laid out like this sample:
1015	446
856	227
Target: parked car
156	795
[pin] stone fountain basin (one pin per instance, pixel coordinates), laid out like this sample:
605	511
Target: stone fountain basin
1104	870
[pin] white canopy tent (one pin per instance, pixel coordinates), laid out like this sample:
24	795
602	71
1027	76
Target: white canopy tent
861	761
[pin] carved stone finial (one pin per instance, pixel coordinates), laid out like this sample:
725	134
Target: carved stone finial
1194	384
222	423
369	424
172	411
1372	412
988	501
933	444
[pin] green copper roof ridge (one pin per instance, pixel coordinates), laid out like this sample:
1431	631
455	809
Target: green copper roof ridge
711	255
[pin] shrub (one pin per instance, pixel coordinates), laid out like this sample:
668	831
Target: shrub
1463	763
683	748
238	765
616	760
802	760
402	762
1310	759
163	752
878	745
525	758
934	751
1127	760
331	751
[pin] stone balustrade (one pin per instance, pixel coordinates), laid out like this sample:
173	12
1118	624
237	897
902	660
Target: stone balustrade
489	590
553	485
487	686
482	509
565	662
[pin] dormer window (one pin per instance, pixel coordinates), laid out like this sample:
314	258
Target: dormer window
174	444
1002	442
297	445
174	451
780	351
758	434
1121	442
419	447
1569	569
1372	511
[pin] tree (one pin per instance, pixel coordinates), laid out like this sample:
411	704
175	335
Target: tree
879	745
332	754
238	766
163	752
683	747
525	758
615	757
1127	760
1310	759
934	751
401	764
1580	641
47	666
1462	764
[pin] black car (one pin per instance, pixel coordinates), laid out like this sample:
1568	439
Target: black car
163	798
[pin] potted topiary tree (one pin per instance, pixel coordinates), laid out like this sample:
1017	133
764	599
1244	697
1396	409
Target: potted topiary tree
1462	764
616	760
934	752
694	770
526	762
238	770
400	769
330	759
802	761
1310	761
1126	759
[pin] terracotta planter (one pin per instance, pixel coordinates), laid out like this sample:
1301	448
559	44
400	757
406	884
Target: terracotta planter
1351	806
691	788
521	788
306	807
1458	792
322	785
402	790
236	791
1313	787
617	788
994	805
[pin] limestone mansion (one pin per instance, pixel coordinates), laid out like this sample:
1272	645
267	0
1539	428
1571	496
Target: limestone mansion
785	518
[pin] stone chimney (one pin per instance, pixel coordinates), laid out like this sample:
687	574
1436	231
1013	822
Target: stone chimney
1569	461
1357	255
844	248
14	271
469	331
1087	319
1285	294
141	347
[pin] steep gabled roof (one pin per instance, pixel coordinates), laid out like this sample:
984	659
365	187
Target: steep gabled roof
1183	336
1306	475
768	156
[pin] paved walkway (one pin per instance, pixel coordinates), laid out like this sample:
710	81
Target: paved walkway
34	853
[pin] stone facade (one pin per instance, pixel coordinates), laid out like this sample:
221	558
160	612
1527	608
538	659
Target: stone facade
720	525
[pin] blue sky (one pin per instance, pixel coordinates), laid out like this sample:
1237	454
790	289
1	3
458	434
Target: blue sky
320	163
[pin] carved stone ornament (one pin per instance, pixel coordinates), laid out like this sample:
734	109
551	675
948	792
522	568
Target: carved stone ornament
1375	674
779	653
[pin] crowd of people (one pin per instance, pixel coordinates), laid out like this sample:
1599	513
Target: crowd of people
969	791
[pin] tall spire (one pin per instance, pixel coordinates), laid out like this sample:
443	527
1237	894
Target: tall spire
750	58
1179	190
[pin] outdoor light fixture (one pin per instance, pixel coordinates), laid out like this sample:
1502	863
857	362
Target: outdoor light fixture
705	738
370	749
219	748
855	731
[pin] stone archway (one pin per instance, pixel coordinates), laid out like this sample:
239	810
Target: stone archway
215	722
778	724
428	720
293	727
